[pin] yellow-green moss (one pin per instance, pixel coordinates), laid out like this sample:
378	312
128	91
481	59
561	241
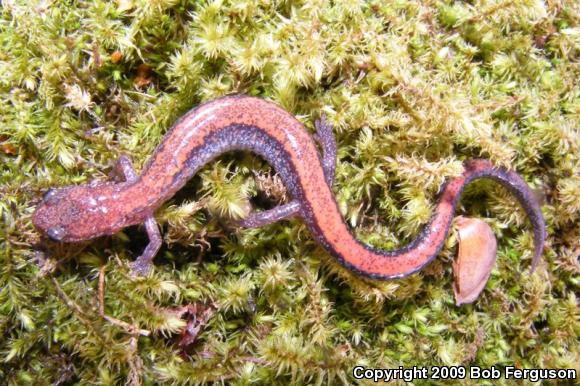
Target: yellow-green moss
411	88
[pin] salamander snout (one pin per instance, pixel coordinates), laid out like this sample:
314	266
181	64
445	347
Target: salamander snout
67	214
51	216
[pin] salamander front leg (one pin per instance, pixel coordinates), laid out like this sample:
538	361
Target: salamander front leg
325	138
143	264
123	169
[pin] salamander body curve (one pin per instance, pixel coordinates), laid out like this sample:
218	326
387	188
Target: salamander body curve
77	213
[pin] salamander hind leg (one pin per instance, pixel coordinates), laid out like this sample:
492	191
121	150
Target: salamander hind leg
144	263
325	137
259	219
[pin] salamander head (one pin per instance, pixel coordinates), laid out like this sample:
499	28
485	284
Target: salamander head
75	213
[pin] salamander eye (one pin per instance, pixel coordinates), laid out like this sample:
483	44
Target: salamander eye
49	196
56	233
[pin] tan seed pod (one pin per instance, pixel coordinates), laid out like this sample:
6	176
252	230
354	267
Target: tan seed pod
475	259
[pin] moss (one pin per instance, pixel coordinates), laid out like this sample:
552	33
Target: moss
411	89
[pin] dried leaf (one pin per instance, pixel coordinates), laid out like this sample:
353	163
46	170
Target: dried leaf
9	149
125	5
116	56
475	259
143	75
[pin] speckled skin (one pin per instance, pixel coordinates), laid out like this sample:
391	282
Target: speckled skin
245	123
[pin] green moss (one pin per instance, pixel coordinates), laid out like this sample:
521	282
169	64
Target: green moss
411	89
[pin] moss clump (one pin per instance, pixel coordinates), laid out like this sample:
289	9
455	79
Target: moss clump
411	89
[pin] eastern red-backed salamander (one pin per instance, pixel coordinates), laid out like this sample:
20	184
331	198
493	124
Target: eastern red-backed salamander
239	122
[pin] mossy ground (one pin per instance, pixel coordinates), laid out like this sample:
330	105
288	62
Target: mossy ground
411	89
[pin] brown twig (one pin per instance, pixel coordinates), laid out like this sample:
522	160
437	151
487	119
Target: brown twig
130	328
71	304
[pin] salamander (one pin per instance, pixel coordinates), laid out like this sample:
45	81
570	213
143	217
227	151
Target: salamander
76	213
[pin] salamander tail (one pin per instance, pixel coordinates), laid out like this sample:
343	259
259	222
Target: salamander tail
515	184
